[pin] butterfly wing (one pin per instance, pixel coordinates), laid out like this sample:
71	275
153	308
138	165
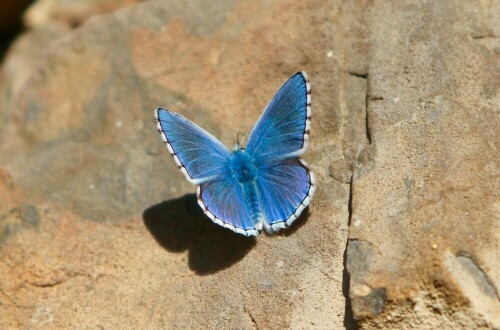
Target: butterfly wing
284	183
205	161
223	202
283	129
198	154
285	188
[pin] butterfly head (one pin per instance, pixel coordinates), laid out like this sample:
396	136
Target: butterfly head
238	147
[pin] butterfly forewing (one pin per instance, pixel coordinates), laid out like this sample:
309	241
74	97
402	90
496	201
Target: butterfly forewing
198	154
283	129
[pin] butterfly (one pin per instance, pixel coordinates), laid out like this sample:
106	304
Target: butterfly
263	186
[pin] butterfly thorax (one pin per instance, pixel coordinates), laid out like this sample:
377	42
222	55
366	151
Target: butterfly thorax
242	166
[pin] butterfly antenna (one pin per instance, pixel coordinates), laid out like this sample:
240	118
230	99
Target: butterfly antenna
239	141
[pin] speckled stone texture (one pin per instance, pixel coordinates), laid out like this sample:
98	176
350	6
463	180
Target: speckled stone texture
424	230
99	229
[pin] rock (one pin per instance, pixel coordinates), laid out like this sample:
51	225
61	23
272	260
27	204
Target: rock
15	216
119	226
71	13
403	145
430	195
29	215
10	18
21	63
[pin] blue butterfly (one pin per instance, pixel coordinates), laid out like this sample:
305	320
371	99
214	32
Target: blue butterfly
263	186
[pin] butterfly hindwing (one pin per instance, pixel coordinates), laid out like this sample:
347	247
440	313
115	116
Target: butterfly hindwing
283	129
198	154
285	188
223	202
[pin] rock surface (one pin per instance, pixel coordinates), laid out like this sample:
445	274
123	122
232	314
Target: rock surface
98	228
424	231
70	12
10	21
120	238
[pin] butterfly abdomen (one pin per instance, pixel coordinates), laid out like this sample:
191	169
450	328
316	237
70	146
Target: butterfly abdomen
251	196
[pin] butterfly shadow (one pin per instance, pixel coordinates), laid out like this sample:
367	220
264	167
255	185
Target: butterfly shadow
179	224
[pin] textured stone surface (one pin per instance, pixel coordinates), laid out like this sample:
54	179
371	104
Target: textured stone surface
98	228
120	239
425	220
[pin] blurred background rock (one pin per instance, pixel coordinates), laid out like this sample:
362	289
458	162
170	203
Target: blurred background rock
10	21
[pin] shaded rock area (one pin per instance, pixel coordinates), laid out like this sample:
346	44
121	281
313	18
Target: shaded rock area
10	21
99	229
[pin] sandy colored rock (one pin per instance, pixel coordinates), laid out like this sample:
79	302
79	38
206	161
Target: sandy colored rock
121	240
98	228
425	224
70	12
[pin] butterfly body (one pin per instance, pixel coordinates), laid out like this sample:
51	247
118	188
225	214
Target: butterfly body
262	186
244	172
243	167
